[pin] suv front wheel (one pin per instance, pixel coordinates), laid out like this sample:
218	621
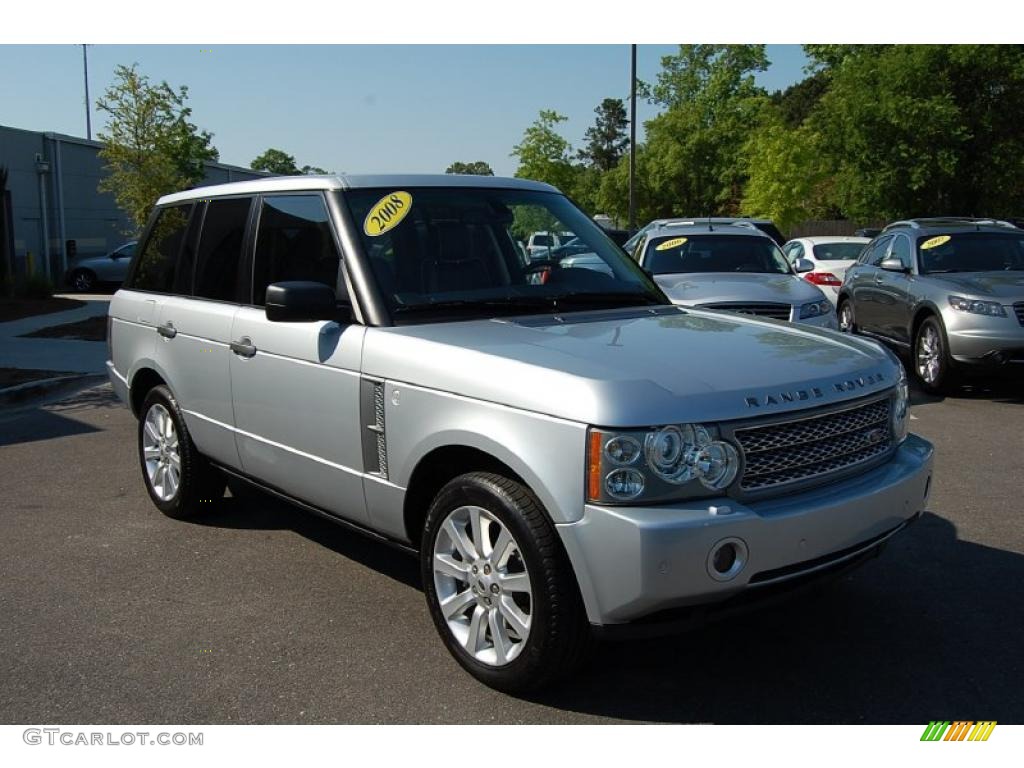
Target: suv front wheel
934	367
499	586
846	321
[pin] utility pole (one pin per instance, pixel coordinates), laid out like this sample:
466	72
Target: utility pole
632	138
85	70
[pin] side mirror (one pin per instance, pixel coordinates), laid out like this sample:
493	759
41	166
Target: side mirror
893	265
803	265
297	301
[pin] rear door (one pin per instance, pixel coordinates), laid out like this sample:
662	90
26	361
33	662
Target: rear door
195	324
296	385
893	293
863	285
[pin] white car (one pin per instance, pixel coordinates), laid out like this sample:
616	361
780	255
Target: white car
542	243
831	256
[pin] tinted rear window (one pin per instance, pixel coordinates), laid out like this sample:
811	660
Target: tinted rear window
155	267
220	250
838	251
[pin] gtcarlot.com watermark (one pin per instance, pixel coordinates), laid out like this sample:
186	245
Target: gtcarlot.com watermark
70	738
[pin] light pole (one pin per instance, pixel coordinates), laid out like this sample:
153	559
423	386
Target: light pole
85	72
632	137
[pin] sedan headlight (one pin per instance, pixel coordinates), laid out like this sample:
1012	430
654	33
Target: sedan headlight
901	408
660	464
815	309
976	307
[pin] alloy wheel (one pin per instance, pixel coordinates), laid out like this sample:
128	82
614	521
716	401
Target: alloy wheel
846	318
483	586
162	452
929	354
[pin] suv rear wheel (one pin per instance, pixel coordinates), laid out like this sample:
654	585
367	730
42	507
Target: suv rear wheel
180	480
934	367
499	586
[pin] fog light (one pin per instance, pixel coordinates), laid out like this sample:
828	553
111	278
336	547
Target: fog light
624	484
726	559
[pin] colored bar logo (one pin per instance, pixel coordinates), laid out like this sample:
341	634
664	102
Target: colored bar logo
959	730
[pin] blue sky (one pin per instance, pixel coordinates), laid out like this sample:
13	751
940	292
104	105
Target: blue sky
352	108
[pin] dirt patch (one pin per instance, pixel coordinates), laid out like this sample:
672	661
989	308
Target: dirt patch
10	377
90	329
16	309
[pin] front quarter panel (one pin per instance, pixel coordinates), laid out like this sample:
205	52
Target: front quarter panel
547	453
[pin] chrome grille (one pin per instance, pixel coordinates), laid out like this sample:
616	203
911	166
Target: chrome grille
1018	308
773	310
812	449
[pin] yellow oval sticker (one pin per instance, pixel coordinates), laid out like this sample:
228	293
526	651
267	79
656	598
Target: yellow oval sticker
935	242
387	213
675	242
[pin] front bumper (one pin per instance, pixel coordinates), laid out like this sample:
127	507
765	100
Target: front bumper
632	562
985	341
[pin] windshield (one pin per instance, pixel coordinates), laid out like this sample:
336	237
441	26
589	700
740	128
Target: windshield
453	251
714	253
971	252
838	251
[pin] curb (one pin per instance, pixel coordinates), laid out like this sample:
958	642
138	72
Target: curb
35	389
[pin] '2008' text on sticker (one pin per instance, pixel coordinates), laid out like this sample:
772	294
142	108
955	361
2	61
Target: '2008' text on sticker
387	213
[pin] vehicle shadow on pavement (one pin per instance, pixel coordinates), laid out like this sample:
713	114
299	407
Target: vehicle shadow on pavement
933	629
51	420
248	508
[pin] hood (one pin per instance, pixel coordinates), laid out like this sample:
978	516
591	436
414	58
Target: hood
711	287
1005	286
633	367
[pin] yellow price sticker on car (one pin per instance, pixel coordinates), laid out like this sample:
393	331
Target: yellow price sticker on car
935	242
387	213
675	242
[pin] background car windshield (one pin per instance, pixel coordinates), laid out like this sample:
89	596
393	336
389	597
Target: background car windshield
714	253
971	252
542	240
467	246
837	251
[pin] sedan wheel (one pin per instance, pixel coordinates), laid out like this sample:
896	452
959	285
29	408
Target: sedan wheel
482	585
83	280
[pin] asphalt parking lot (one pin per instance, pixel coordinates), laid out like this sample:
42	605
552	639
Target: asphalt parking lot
112	613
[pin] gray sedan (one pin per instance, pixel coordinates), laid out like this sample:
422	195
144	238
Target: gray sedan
951	291
88	272
734	268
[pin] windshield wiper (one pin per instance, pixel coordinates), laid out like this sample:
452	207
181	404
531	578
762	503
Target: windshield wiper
509	302
622	298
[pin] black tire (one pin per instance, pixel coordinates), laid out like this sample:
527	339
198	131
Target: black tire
82	280
846	305
559	636
201	485
945	378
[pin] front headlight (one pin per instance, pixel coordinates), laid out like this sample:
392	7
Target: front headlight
977	307
660	464
901	408
815	309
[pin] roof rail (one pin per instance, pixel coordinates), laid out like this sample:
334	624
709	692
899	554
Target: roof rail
903	223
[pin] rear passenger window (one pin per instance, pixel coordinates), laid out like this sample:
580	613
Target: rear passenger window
154	270
293	242
220	250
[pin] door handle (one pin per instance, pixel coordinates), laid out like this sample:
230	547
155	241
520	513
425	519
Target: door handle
167	330
243	347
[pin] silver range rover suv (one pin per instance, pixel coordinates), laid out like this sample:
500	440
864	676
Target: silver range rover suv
561	454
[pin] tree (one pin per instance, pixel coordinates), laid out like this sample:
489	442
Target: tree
312	170
477	168
277	162
607	140
151	146
544	155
